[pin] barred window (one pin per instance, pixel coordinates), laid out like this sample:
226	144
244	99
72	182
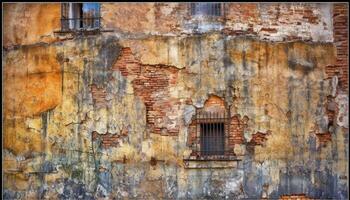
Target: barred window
206	9
77	16
212	134
212	139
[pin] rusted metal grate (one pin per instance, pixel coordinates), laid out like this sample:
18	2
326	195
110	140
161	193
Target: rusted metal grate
209	9
212	135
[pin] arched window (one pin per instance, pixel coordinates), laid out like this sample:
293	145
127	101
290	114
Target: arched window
210	130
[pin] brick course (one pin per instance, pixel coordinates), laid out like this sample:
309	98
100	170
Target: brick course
151	83
340	34
295	197
236	131
98	96
259	138
109	139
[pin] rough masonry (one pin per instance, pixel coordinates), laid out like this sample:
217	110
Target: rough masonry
111	115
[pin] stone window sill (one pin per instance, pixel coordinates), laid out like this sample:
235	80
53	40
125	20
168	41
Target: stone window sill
214	162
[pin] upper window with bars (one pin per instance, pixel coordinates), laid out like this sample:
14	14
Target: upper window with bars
80	16
206	9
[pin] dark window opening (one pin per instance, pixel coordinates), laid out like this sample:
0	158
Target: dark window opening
206	9
211	135
212	139
80	16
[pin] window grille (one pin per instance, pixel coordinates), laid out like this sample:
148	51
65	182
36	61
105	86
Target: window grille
80	16
212	135
206	9
212	138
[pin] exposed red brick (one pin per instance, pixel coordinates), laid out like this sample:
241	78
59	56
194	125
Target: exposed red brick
98	96
127	64
259	138
277	15
108	139
153	87
323	138
295	197
214	101
236	131
270	30
249	31
151	83
340	31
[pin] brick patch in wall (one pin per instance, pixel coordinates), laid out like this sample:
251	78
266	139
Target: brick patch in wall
340	34
323	138
295	197
269	30
153	87
237	126
214	101
127	63
259	138
152	83
109	139
98	95
282	22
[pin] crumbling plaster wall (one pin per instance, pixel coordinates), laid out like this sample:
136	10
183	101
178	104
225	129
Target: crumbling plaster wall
271	21
108	115
266	21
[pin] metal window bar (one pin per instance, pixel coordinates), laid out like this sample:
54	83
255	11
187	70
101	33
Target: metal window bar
81	23
210	9
212	139
212	134
81	20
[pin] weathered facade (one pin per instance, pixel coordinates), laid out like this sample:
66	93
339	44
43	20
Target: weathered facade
116	113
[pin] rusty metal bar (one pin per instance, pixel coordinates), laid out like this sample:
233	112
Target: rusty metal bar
196	147
212	136
215	134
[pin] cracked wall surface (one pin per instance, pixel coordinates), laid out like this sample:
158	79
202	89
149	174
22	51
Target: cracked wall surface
112	115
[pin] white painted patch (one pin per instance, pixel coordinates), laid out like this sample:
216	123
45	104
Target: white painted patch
334	85
189	111
233	184
343	115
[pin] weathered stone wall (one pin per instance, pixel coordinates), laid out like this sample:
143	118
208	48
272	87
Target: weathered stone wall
277	22
33	22
111	115
30	23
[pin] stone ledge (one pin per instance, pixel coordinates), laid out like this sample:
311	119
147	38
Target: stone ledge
210	164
